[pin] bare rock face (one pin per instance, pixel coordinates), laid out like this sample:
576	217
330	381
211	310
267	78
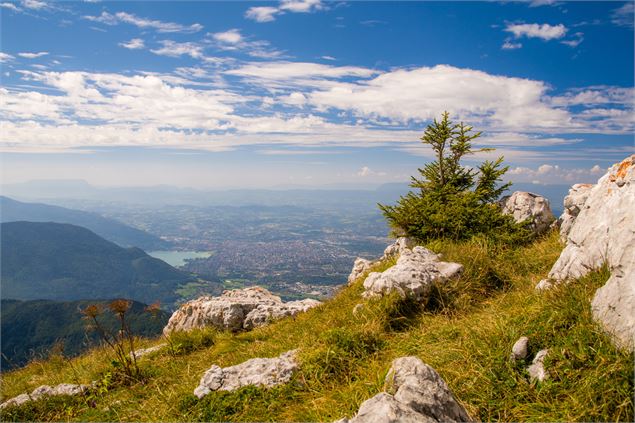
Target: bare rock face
45	390
137	354
265	372
234	310
604	232
420	395
526	205
573	205
413	276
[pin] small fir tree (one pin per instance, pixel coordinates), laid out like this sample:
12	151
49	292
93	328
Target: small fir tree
452	200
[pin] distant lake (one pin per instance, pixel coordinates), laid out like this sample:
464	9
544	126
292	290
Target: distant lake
177	258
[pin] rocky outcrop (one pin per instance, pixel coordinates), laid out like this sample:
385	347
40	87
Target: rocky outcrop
604	232
537	369
420	395
235	310
573	205
264	372
362	266
523	206
413	276
44	391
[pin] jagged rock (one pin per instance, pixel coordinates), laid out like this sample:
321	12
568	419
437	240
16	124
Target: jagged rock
399	246
359	267
145	351
537	369
527	205
413	276
604	232
234	310
396	248
519	350
573	204
420	395
265	372
45	390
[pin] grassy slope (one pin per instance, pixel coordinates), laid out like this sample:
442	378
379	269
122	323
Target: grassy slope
465	333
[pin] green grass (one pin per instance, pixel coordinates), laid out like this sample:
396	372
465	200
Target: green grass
465	332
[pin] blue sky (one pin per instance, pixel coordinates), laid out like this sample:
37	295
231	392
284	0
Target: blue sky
308	92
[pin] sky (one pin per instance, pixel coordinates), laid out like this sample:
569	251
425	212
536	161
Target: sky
211	94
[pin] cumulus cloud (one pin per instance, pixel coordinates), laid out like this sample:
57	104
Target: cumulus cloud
144	23
134	44
544	31
34	4
547	173
173	49
365	171
233	40
233	36
29	55
268	13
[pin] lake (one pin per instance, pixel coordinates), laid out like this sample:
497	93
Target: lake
178	258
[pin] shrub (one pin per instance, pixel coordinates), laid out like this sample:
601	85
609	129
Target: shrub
454	201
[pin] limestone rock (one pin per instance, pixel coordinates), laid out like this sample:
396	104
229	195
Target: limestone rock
45	390
519	350
265	372
234	310
420	395
604	232
573	204
537	369
527	205
359	267
399	246
413	276
145	351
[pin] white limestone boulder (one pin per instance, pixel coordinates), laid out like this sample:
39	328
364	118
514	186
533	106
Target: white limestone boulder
46	391
359	268
520	349
523	206
263	372
573	205
537	371
420	395
604	232
234	310
362	266
413	276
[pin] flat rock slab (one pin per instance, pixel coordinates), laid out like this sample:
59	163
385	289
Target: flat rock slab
44	391
420	395
235	310
264	372
413	276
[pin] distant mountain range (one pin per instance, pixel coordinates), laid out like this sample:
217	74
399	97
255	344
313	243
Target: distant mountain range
110	229
66	262
31	328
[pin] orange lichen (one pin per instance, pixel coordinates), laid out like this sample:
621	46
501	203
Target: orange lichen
623	168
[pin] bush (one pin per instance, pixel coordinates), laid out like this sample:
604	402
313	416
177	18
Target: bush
454	201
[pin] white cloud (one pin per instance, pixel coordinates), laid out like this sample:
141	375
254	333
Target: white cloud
538	3
262	14
596	170
5	57
173	49
10	6
34	4
544	31
548	174
574	42
331	58
624	15
134	44
509	45
268	14
232	36
28	55
596	95
123	17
